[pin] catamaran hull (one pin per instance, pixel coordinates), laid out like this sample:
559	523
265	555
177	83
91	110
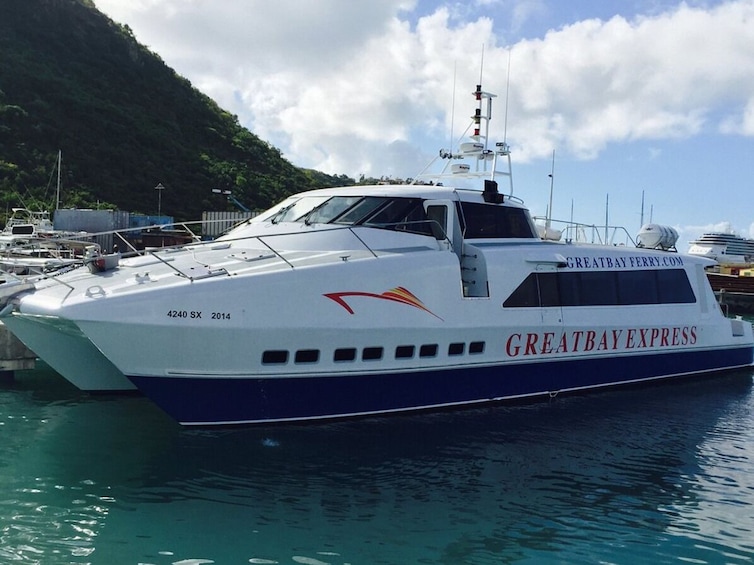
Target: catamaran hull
69	352
213	400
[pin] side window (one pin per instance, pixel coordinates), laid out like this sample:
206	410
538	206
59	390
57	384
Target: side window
637	287
549	293
400	214
331	209
526	295
602	288
488	221
674	287
438	221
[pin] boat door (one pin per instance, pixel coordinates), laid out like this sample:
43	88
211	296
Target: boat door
445	225
551	311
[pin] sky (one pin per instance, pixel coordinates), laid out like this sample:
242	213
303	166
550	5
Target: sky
647	106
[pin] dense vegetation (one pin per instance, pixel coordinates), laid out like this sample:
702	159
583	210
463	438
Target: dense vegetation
72	80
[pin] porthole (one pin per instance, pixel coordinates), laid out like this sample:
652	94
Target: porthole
456	348
404	352
274	357
371	354
307	356
345	354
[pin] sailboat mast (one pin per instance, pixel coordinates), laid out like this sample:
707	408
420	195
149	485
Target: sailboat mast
57	196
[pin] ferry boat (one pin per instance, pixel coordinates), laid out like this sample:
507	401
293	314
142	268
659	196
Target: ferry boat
368	300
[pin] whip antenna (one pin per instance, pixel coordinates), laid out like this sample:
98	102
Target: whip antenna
453	103
507	89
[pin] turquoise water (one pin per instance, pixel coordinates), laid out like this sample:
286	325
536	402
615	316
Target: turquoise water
661	474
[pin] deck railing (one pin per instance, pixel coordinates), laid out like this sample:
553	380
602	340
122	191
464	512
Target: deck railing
575	232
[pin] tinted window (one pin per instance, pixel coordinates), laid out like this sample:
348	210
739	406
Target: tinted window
456	349
274	357
438	221
489	221
307	356
345	354
549	295
526	294
674	287
606	288
404	351
637	287
598	288
402	214
364	208
569	287
331	209
297	209
371	354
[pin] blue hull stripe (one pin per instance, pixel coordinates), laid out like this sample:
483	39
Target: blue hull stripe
221	400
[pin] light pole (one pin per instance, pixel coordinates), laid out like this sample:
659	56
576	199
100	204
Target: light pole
159	188
229	195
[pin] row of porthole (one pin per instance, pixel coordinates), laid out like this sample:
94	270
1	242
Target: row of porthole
346	354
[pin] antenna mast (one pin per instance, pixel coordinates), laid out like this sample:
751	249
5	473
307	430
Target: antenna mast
477	148
453	102
507	90
552	180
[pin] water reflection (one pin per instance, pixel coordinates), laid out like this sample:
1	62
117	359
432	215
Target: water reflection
656	474
499	483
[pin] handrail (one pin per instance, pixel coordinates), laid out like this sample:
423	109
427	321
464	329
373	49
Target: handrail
576	232
266	240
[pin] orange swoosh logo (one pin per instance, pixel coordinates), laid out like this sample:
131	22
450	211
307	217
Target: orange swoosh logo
397	294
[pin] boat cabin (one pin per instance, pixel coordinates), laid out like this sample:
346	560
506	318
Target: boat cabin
480	215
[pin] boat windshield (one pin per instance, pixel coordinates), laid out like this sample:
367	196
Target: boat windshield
297	209
392	213
405	214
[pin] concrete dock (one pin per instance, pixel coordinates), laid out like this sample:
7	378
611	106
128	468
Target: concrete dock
14	355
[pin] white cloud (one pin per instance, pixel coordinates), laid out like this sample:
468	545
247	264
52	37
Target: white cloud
741	124
524	10
340	85
652	78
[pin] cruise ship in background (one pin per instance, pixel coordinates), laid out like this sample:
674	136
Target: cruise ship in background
725	248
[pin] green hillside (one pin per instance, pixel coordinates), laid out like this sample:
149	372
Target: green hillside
73	80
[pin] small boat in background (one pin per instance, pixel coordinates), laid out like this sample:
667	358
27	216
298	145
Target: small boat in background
29	244
28	223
